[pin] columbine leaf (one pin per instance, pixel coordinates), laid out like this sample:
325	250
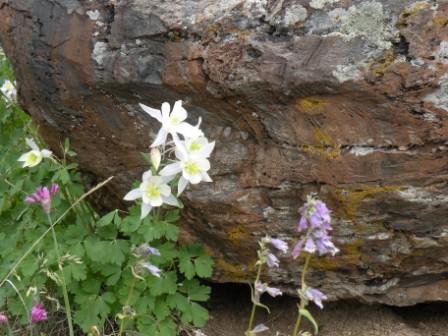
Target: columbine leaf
107	219
187	267
195	291
204	266
200	315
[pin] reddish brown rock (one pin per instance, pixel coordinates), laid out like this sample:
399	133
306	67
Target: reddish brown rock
348	99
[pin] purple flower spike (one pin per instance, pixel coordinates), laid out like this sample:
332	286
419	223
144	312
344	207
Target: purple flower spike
38	313
43	197
154	270
316	296
272	260
315	220
3	318
280	245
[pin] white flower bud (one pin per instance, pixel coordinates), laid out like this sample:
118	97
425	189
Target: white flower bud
156	157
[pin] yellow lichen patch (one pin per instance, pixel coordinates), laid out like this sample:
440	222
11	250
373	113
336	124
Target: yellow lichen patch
351	199
237	234
416	7
378	68
440	20
311	105
235	272
324	147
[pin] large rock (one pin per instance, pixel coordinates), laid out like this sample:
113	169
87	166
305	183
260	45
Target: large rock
345	98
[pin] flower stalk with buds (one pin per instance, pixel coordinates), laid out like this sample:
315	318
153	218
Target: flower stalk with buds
265	257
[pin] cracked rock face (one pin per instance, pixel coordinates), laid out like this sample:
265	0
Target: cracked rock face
345	98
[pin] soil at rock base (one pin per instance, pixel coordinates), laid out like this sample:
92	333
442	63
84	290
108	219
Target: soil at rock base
230	311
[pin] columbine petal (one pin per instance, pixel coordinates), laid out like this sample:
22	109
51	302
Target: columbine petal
181	185
146	209
206	177
208	149
165	111
156	114
32	144
179	113
187	130
160	138
165	190
171	169
23	157
146	175
133	195
171	200
203	163
192	178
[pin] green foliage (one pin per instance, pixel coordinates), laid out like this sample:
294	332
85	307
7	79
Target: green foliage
100	268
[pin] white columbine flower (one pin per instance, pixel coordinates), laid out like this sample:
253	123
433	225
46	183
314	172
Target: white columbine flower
194	168
199	146
172	122
34	156
154	191
9	90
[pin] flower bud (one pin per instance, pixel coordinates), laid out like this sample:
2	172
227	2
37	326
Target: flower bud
156	157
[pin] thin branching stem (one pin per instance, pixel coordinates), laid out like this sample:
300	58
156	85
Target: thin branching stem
254	306
68	310
126	305
302	301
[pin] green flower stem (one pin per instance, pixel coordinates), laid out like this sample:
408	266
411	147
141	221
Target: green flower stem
302	301
128	300
254	306
68	311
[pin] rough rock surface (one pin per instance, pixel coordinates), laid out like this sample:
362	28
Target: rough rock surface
345	98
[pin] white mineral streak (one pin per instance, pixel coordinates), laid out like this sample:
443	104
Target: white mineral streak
99	52
362	150
319	4
420	195
441	54
344	73
440	97
93	15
